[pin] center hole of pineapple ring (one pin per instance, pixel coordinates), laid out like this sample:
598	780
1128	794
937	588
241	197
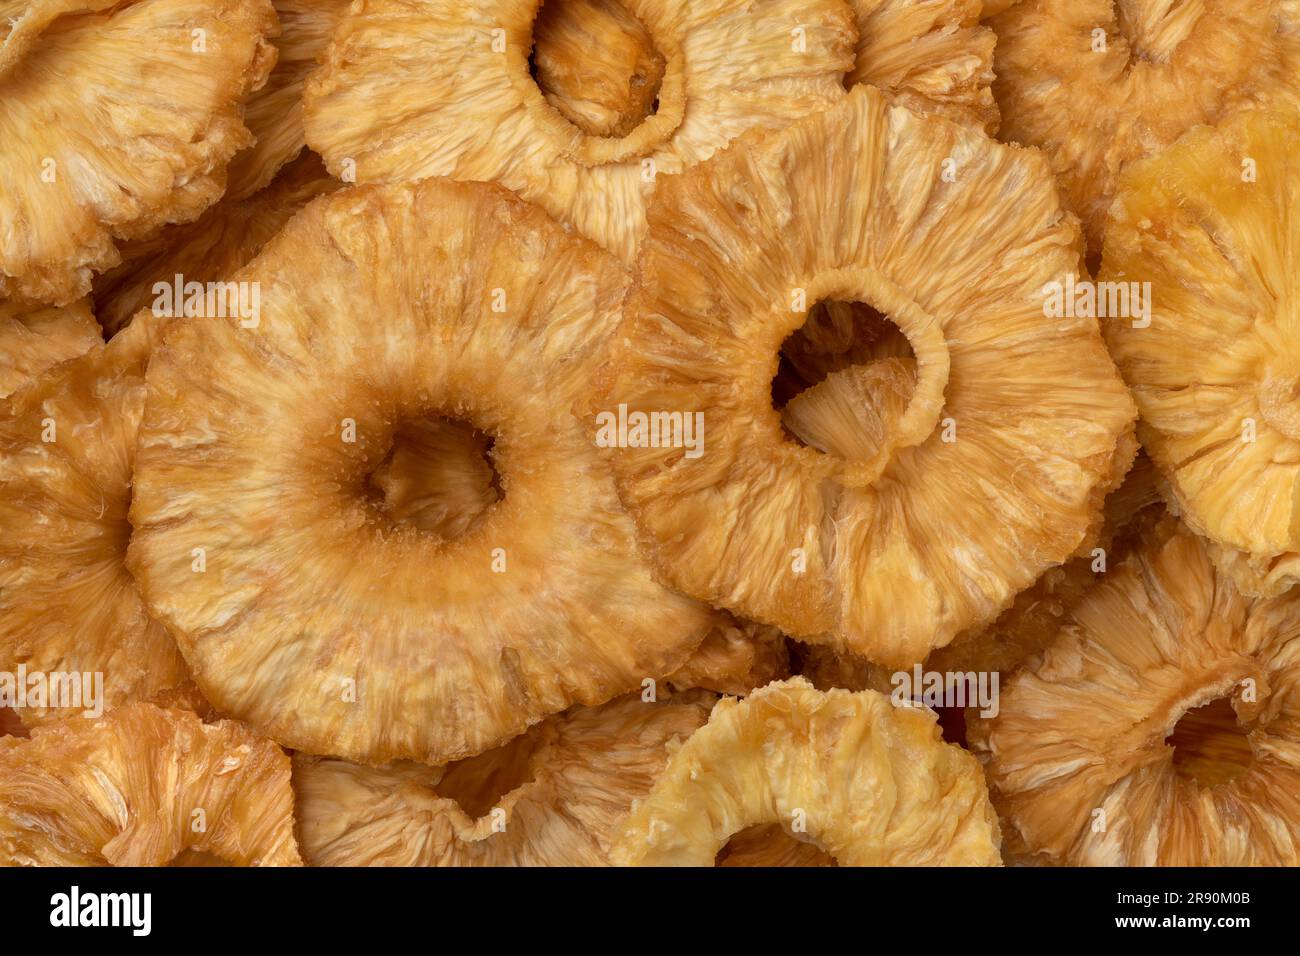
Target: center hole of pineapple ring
1210	746
1155	28
437	475
478	784
861	373
597	64
768	844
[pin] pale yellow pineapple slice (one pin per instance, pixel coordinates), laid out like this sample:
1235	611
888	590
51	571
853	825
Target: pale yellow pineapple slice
1088	757
327	620
144	786
442	88
95	146
869	783
1210	224
1099	83
67	602
1009	441
552	797
34	338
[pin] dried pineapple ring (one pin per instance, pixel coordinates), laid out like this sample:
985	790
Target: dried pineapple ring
35	338
1078	749
597	65
321	619
1143	71
129	790
872	784
1217	371
67	601
932	55
735	657
69	193
442	88
214	246
572	779
273	114
899	553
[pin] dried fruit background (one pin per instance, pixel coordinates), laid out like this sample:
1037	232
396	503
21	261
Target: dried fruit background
649	432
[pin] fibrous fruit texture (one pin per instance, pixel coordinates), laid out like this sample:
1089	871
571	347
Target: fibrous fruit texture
326	619
553	797
128	154
443	88
868	782
34	338
1079	753
1216	371
144	786
1099	83
934	518
67	602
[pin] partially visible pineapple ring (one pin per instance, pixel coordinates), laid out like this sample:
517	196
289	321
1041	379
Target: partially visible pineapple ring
68	605
597	65
998	466
321	619
34	338
735	658
93	148
141	787
442	88
1216	371
555	797
870	783
1099	83
1078	754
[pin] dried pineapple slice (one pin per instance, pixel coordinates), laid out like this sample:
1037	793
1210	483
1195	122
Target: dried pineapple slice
442	88
211	248
870	783
934	56
554	797
1078	752
1099	83
67	601
274	113
141	787
95	148
597	65
35	338
322	619
1216	374
735	657
1009	440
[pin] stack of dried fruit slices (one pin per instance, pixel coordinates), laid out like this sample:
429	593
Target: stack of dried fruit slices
649	432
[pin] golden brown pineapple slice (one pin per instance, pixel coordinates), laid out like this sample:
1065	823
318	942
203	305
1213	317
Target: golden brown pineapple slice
211	248
34	338
273	114
1085	752
597	65
871	784
1210	224
323	619
67	601
553	797
1009	440
1099	83
141	787
442	88
735	658
76	180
